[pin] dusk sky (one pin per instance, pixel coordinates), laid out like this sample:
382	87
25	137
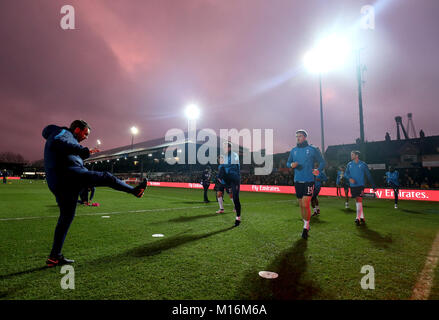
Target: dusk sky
139	62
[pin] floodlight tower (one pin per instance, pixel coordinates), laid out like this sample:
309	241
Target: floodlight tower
360	96
192	113
134	131
328	54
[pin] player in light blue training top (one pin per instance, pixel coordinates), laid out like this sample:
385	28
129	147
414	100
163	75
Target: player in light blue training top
231	175
302	159
392	179
355	172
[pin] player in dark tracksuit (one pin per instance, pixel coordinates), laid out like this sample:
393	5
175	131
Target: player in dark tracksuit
205	182
302	159
339	181
4	175
231	175
66	176
83	195
392	179
343	182
221	187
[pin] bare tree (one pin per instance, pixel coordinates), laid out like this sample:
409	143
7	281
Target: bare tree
11	157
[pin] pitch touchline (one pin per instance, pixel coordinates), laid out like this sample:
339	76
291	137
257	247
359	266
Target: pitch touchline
131	211
422	288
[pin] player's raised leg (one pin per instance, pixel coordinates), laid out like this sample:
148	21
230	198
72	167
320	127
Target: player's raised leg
106	179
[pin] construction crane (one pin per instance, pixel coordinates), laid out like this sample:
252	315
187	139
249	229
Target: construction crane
398	120
410	127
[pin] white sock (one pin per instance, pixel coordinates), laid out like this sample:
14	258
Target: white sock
315	209
360	214
220	201
306	224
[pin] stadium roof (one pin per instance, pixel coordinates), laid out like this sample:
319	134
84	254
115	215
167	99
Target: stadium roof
146	147
382	151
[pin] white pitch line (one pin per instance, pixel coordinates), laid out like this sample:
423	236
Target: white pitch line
131	211
422	288
104	213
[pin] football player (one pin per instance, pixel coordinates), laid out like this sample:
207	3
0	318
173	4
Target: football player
231	175
302	159
392	179
355	172
220	186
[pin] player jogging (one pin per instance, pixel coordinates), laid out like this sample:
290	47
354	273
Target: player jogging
232	177
220	186
343	182
355	172
4	176
205	182
66	176
392	179
317	186
302	159
338	184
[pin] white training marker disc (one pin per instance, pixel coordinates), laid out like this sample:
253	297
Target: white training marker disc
105	216
268	274
157	235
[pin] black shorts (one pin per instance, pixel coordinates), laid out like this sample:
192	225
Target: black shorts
393	186
357	191
205	184
304	189
221	187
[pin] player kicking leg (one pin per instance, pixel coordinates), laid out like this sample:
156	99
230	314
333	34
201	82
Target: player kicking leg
66	176
65	196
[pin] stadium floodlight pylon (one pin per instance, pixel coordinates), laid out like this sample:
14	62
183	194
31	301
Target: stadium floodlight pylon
328	54
134	131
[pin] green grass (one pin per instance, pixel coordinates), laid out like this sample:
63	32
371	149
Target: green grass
202	257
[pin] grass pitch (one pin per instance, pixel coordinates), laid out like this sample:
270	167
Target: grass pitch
202	256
